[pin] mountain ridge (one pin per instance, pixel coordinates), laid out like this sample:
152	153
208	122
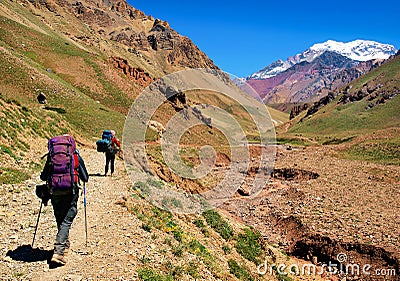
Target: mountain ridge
324	67
357	50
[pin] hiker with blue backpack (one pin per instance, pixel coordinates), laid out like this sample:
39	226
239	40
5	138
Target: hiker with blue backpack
63	171
110	145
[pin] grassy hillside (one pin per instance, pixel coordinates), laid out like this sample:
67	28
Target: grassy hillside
82	99
278	117
339	122
349	120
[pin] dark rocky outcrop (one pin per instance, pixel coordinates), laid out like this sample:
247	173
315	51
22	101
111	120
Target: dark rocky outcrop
322	102
297	109
374	93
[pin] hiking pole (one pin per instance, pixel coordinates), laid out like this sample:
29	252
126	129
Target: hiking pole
37	223
84	206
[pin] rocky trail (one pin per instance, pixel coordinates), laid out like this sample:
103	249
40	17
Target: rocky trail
114	235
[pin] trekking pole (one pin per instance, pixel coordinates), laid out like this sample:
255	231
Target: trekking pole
84	205
37	223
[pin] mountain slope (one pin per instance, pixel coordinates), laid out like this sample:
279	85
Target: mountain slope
358	50
368	105
371	101
68	52
308	76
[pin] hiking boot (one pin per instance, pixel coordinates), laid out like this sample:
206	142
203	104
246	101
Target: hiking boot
59	259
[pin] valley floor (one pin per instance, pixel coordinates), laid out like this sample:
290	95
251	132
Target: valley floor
352	207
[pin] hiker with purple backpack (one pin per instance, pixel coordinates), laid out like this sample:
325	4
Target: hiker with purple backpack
63	171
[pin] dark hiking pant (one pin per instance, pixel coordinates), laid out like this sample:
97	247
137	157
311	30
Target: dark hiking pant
65	209
110	159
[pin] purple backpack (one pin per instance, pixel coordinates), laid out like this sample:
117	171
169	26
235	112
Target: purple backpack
63	162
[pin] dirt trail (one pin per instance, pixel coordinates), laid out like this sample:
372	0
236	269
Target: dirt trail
114	235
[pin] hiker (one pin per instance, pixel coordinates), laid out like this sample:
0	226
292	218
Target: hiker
110	153
63	171
41	98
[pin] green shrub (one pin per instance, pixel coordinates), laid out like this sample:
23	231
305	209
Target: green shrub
216	222
147	274
197	248
178	234
248	246
200	224
146	227
226	249
192	268
240	272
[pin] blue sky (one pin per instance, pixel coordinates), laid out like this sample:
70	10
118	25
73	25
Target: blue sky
242	37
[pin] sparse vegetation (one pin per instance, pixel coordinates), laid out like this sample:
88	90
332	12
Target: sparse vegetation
214	219
146	227
11	176
248	246
192	268
295	140
56	109
384	151
281	276
148	274
177	250
200	224
180	242
240	272
226	249
7	150
172	202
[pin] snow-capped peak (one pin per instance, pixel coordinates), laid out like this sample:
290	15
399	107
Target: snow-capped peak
358	50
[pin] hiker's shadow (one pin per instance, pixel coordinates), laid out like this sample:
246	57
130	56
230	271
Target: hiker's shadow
96	175
26	253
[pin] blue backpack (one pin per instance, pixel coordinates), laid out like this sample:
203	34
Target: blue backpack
104	145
